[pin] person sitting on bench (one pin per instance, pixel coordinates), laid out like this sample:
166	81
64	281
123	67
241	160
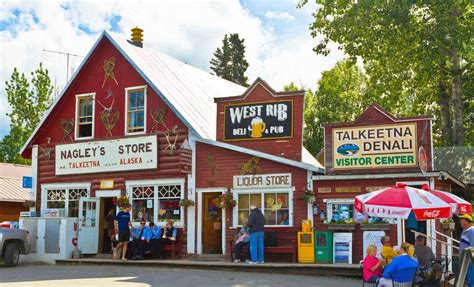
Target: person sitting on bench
141	238
155	237
169	235
243	239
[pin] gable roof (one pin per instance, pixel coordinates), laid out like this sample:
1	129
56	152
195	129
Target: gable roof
11	182
307	164
188	91
457	160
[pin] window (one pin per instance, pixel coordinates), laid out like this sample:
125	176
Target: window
157	200
136	107
142	203
65	199
85	116
277	207
340	209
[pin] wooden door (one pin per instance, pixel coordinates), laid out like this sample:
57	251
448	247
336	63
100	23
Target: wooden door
211	224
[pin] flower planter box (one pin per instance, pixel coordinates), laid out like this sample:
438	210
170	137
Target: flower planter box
447	226
339	226
375	226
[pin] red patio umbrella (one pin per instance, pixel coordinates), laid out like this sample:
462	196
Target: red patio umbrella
398	201
458	205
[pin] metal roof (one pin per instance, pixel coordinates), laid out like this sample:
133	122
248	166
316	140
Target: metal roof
11	182
458	160
302	165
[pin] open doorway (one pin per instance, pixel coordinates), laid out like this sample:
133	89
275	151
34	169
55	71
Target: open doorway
108	209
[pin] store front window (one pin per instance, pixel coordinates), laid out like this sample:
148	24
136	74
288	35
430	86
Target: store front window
157	201
277	208
66	200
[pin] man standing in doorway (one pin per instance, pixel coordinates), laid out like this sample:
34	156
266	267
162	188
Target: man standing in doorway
123	224
467	241
256	224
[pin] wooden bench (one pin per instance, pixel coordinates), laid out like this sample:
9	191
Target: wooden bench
288	247
175	247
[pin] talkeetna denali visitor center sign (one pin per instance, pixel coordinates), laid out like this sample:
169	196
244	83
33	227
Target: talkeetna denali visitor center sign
135	153
375	146
256	121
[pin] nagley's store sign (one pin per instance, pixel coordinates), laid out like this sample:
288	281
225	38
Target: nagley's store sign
268	120
374	146
103	156
262	180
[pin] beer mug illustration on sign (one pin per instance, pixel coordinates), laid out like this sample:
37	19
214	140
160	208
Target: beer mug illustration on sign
258	127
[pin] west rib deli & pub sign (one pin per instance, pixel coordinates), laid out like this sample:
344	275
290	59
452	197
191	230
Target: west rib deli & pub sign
265	120
375	146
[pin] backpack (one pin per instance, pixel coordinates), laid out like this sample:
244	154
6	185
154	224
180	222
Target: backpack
270	239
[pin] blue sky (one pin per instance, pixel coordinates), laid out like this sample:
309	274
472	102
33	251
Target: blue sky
277	38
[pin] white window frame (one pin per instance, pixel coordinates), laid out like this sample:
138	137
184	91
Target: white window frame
262	191
67	187
76	115
155	183
337	201
144	109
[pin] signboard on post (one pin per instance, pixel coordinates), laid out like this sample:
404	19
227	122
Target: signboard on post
102	156
258	121
27	182
390	146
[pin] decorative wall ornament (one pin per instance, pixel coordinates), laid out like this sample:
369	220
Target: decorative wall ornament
68	127
109	116
171	146
158	117
251	166
211	161
47	151
108	66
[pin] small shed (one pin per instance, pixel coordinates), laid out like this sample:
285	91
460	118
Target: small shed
12	195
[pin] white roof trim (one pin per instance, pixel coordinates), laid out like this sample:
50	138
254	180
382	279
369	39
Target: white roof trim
260	154
45	116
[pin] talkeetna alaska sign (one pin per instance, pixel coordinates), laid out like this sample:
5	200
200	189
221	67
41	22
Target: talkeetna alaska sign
374	146
266	120
112	155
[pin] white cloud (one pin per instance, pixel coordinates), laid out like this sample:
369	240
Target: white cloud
187	30
278	15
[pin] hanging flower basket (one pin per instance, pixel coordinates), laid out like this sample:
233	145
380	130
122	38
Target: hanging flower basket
225	200
308	196
186	202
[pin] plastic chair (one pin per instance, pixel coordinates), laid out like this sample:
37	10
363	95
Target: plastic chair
404	277
361	265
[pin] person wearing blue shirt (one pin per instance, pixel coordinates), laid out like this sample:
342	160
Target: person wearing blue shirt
401	262
123	224
141	238
156	232
467	241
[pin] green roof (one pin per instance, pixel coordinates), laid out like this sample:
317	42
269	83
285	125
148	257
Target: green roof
457	160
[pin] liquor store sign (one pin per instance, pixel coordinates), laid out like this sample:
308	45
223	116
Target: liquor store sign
266	120
103	156
384	146
262	180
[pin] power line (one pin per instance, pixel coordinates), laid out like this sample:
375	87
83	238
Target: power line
67	54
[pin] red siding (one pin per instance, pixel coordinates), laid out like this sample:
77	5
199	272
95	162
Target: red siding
288	148
228	164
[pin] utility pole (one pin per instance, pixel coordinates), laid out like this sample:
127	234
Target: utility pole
67	54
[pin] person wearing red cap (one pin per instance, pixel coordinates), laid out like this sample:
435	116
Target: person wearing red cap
467	241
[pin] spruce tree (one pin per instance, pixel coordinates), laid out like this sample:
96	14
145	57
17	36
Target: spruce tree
229	61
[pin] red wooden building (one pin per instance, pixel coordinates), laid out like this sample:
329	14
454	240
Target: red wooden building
375	151
137	123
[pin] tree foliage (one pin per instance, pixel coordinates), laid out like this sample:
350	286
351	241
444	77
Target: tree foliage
341	96
417	54
28	102
229	61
